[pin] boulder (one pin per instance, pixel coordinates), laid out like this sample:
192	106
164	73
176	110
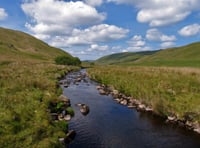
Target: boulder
67	117
79	104
78	80
124	102
118	100
84	109
189	124
102	92
66	85
141	107
60	117
115	92
196	127
70	136
149	109
98	87
171	118
131	106
64	99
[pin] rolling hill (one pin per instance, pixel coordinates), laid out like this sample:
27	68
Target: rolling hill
126	57
188	56
16	45
28	84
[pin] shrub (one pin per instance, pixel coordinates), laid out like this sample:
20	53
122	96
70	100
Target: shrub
67	60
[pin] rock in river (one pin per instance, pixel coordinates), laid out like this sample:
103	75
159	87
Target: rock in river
70	136
84	109
64	99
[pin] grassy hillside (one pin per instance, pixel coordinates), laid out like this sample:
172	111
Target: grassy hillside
188	56
28	84
18	45
118	58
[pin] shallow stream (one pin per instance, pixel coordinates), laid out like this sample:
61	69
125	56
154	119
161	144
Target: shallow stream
111	125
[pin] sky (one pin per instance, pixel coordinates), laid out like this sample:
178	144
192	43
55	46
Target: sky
90	29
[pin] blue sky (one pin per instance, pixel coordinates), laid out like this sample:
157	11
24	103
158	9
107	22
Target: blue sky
90	29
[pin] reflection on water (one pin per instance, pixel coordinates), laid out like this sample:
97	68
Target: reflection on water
110	125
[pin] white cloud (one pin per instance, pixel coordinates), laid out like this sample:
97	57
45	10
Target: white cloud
3	14
98	47
116	48
59	17
42	36
167	44
97	33
94	2
161	12
190	30
136	41
155	35
124	50
137	49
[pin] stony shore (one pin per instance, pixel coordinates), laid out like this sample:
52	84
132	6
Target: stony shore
130	102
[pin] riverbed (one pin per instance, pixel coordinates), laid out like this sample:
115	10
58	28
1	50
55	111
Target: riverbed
111	125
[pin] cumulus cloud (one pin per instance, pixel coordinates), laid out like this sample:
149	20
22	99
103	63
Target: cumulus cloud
94	2
137	49
95	34
136	41
98	47
190	30
59	17
155	35
167	44
3	14
161	12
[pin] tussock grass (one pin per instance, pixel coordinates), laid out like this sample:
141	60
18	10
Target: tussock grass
25	91
167	90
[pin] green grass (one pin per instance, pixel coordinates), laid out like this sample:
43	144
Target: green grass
120	58
185	56
18	45
167	90
26	90
28	83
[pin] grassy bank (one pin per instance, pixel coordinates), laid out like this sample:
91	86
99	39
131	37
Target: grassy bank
28	85
167	90
25	92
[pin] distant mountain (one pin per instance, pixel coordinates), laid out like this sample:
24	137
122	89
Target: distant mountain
16	45
188	55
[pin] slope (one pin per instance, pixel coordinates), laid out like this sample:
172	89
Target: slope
16	45
188	56
120	58
28	85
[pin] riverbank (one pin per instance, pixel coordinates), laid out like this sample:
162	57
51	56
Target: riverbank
27	88
109	124
172	93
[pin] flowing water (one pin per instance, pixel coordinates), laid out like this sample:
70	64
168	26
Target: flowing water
111	125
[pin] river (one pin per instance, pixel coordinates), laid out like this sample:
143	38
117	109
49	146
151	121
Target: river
111	125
